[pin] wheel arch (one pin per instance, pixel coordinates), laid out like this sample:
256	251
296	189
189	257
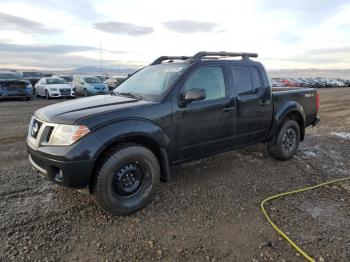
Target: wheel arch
156	141
291	110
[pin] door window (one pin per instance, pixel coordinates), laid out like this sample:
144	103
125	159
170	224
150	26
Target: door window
246	80
255	79
211	79
242	81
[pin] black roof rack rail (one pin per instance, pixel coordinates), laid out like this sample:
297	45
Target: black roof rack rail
159	60
202	54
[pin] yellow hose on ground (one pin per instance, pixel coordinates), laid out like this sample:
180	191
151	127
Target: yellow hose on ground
279	231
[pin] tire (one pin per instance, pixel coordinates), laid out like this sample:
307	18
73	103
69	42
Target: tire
86	94
47	95
120	197
287	140
35	92
28	98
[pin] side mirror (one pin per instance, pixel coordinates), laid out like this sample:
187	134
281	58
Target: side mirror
193	94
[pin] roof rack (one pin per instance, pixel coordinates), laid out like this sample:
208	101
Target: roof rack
159	60
200	55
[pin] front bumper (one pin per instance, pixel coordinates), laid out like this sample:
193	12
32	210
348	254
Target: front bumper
70	166
59	94
67	173
93	91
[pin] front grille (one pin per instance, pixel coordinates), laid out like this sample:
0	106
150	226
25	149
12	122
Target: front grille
49	133
65	91
42	133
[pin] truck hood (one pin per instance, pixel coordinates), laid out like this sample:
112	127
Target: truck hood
70	112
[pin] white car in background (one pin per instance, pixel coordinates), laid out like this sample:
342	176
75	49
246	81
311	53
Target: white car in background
53	87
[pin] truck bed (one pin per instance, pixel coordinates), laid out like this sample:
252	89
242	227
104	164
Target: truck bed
306	97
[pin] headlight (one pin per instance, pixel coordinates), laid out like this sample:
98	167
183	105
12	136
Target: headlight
29	87
65	135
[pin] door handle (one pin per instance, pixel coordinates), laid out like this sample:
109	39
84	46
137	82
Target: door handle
264	102
230	108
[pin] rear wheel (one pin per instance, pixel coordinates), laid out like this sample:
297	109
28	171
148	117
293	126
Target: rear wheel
127	179
286	143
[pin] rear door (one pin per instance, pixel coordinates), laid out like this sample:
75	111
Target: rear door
254	105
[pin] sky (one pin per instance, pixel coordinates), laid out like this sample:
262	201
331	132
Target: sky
61	34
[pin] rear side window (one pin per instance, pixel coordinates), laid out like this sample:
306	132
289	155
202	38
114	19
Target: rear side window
246	80
241	80
254	74
211	79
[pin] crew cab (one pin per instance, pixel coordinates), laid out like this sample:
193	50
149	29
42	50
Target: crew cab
120	145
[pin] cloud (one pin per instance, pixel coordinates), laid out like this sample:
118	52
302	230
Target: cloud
78	8
329	51
11	22
119	28
190	26
310	11
47	61
50	49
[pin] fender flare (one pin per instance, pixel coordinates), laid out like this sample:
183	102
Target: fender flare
124	129
290	107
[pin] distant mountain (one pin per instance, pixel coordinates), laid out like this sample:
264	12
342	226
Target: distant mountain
97	70
311	72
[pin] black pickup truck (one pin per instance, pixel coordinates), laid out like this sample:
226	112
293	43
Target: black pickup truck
120	145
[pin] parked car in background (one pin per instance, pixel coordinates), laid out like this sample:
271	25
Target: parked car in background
12	85
68	78
89	85
103	78
53	87
32	76
112	82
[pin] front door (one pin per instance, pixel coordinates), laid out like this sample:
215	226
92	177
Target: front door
205	126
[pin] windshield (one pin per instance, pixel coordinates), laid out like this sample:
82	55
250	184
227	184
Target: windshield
32	74
92	80
152	81
55	81
67	78
10	76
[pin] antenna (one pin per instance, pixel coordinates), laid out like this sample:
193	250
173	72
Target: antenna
101	58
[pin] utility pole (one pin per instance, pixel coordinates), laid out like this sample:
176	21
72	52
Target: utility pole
101	58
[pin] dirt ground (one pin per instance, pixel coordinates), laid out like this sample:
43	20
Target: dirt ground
209	211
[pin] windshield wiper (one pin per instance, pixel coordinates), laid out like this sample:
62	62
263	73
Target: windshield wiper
127	94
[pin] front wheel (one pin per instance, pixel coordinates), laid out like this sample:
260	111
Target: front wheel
286	144
86	93
126	179
47	95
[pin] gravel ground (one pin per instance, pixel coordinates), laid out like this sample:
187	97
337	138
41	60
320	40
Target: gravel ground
209	211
